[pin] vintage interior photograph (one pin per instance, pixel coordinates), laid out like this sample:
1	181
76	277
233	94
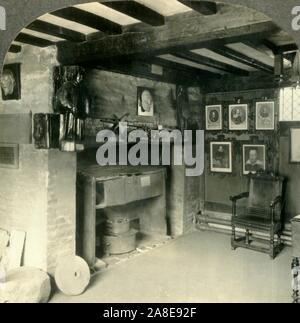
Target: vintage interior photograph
238	117
89	212
265	116
221	157
145	102
254	159
214	118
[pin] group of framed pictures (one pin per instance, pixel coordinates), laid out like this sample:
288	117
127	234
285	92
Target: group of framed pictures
254	158
238	116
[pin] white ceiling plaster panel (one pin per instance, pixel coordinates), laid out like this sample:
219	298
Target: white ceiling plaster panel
68	24
186	62
108	13
210	54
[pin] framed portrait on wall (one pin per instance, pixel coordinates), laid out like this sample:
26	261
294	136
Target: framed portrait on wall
238	117
294	145
254	159
145	101
213	116
265	115
221	157
11	82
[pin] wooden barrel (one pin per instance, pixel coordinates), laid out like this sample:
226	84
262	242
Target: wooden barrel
121	244
117	226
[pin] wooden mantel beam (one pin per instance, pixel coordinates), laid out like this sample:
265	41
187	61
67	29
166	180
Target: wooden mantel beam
183	32
204	7
138	11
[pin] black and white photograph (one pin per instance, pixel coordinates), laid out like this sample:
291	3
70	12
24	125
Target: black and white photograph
10	82
221	157
254	159
214	118
145	102
265	115
149	155
238	117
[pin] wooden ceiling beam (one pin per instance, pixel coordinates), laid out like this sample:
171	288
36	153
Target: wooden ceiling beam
89	19
57	31
238	57
200	59
15	49
138	11
182	67
186	32
33	40
203	7
170	72
280	49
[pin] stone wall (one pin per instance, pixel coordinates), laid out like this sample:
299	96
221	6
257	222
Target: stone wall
61	204
114	93
39	197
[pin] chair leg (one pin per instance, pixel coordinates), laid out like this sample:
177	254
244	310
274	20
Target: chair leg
247	237
233	238
272	244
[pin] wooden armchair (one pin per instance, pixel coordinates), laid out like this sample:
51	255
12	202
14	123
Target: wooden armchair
262	214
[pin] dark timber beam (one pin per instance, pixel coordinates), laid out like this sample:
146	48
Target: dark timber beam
280	49
32	40
170	72
238	57
204	7
57	31
144	70
182	67
200	59
15	49
188	31
89	19
138	11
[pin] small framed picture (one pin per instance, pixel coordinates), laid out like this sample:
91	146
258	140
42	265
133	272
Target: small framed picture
294	145
254	159
145	102
221	157
238	117
11	82
214	118
265	115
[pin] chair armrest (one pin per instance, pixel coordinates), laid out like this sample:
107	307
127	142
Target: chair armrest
239	197
277	200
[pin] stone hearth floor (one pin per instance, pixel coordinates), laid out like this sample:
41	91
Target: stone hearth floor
199	267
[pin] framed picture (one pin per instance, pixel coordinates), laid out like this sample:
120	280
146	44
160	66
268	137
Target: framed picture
238	117
294	145
11	82
214	118
221	157
265	115
145	102
254	159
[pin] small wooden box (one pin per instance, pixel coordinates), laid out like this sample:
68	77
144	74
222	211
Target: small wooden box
296	236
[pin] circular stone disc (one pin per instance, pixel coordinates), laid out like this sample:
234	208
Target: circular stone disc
72	275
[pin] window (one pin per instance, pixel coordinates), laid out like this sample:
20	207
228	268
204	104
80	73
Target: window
290	104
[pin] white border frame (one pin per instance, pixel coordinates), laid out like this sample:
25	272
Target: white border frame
256	114
244	161
221	170
217	107
238	128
